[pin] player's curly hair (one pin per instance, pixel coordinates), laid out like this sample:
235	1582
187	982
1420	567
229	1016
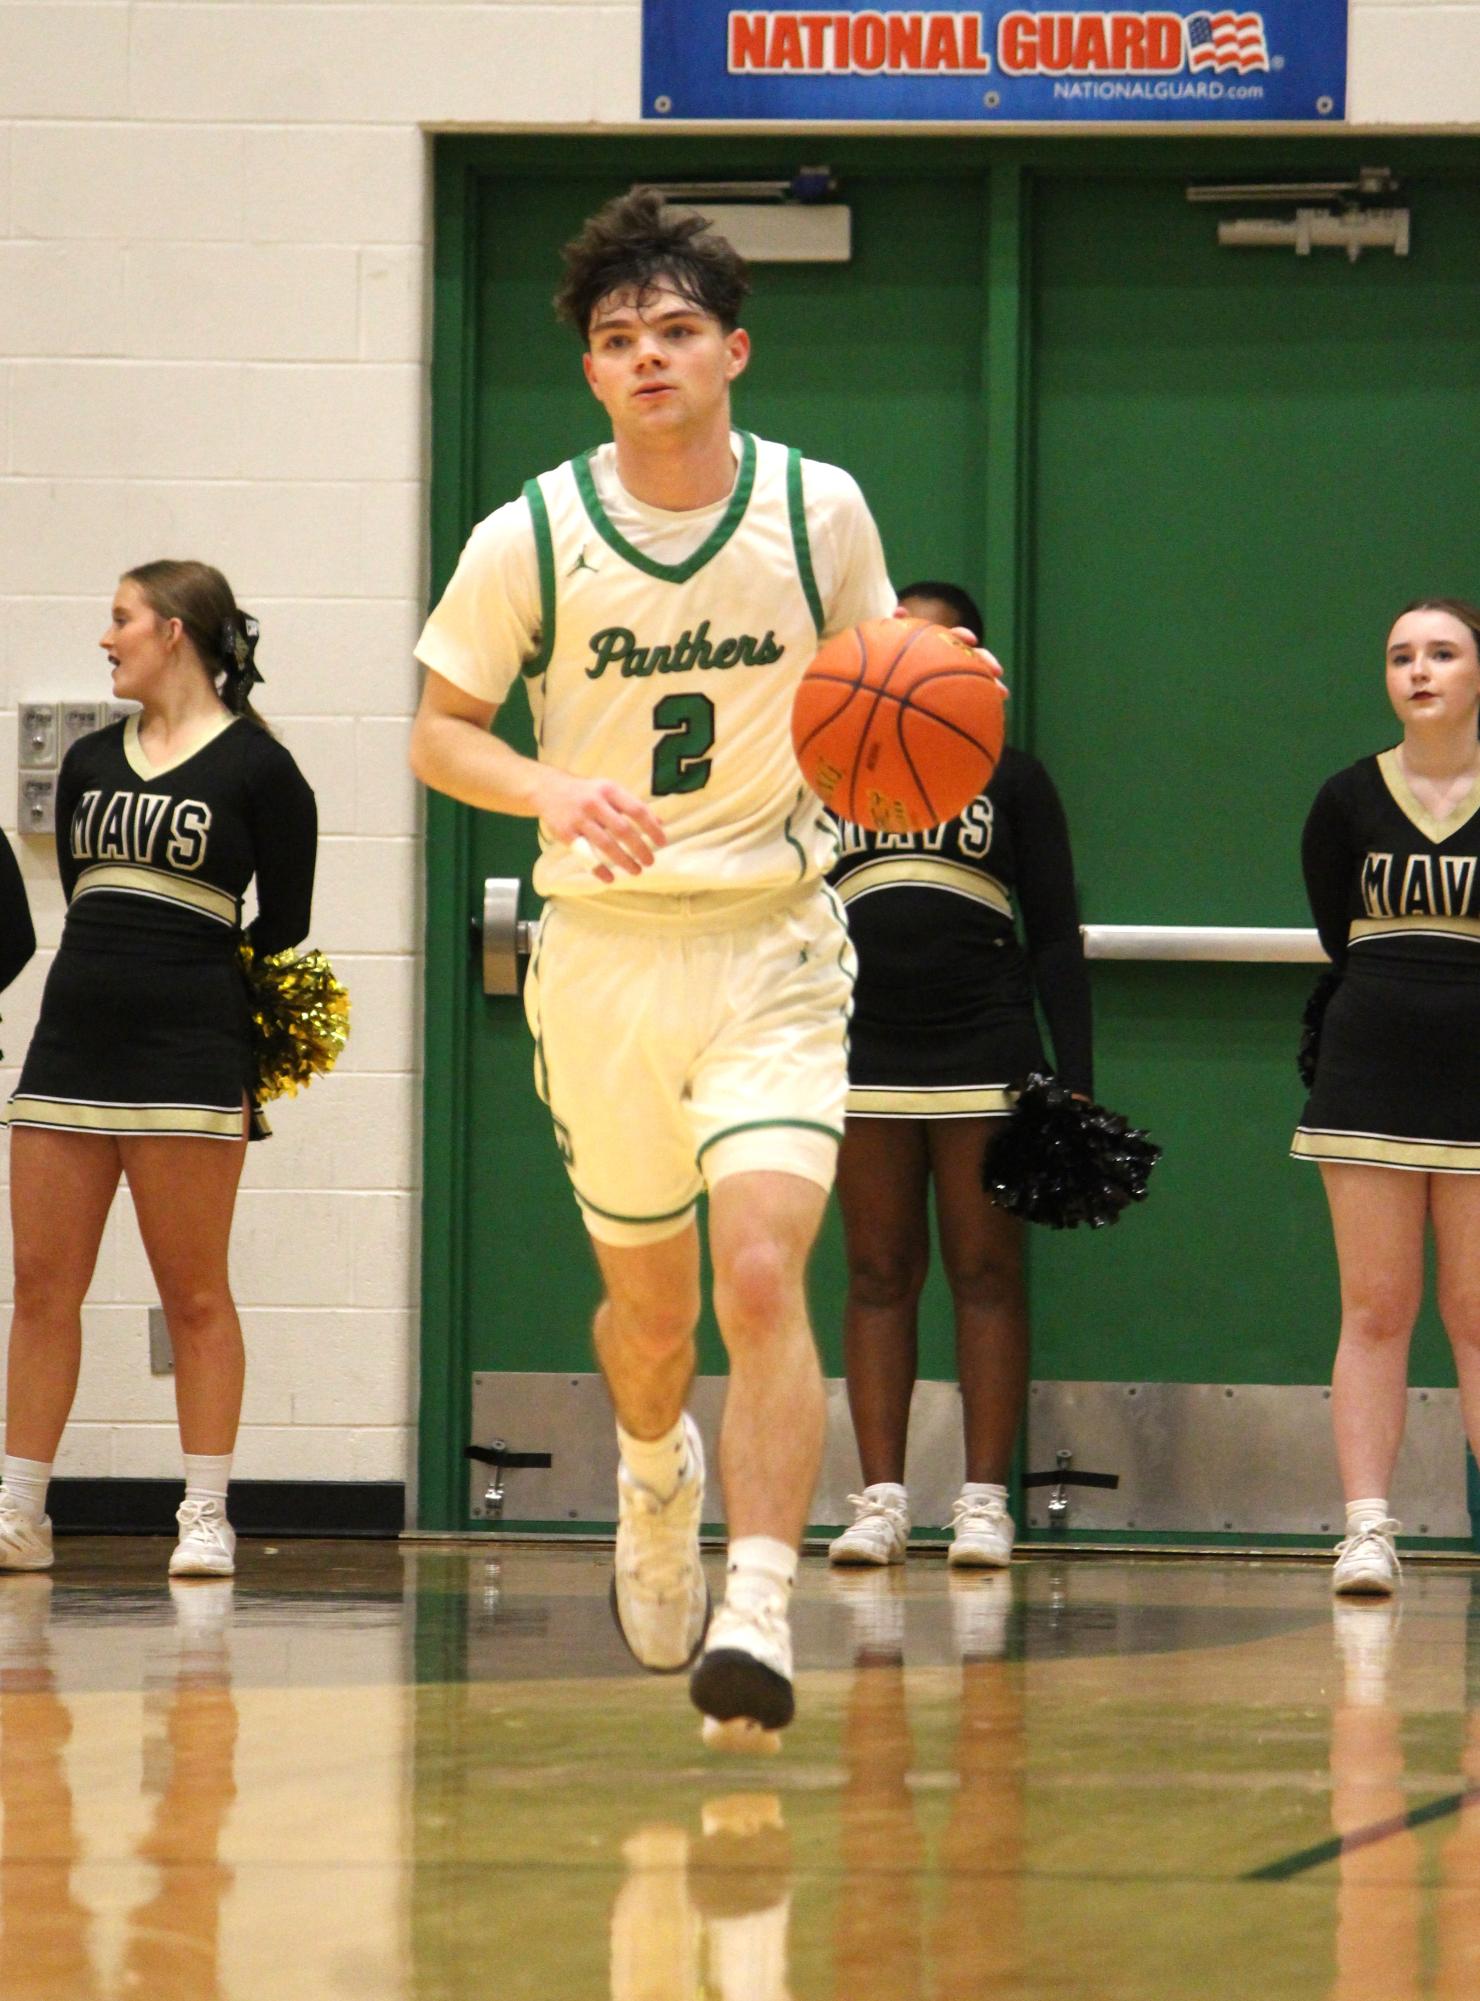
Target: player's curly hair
637	243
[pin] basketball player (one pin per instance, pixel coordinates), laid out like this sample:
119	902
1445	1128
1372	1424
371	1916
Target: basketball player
691	982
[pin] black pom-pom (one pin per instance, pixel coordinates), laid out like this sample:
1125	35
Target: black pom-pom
1062	1162
1310	1025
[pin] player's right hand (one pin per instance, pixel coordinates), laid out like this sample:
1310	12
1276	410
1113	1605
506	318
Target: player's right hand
973	640
603	819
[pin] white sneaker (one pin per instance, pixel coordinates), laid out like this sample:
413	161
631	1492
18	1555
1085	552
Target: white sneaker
1367	1563
659	1598
880	1529
207	1545
743	1680
24	1544
982	1533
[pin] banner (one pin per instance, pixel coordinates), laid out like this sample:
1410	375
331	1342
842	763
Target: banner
995	64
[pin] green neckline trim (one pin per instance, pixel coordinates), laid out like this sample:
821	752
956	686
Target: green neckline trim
796	507
669	573
545	550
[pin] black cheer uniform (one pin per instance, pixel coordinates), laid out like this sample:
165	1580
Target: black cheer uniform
1396	898
17	933
145	1022
943	1019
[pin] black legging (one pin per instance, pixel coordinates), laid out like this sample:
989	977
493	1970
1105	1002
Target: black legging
885	1167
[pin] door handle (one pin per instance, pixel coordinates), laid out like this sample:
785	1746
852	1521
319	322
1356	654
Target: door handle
503	937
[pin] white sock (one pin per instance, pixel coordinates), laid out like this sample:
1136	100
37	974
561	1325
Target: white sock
984	1490
1361	1514
24	1485
658	1463
207	1476
760	1571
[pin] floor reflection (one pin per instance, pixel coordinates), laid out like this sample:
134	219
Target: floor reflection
45	1929
50	1944
420	1775
1408	1920
173	1949
704	1912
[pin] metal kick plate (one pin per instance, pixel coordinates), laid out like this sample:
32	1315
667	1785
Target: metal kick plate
1200	1458
570	1417
1254	1458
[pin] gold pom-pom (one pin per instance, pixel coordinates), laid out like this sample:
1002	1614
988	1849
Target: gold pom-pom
300	1019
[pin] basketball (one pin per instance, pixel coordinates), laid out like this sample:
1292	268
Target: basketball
897	725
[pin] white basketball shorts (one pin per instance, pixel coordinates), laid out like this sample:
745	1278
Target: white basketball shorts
679	1048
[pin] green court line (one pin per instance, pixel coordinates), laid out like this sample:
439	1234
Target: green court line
1364	1837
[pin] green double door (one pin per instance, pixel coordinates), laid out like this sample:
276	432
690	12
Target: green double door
1191	486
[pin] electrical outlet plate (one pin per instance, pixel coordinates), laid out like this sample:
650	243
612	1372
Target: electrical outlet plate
80	719
36	803
161	1350
37	738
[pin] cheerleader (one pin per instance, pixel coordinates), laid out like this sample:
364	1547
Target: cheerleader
141	1062
17	933
943	1026
1392	869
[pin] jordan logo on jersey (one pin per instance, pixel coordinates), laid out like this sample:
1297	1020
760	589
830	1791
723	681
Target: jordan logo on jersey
580	563
616	646
147	827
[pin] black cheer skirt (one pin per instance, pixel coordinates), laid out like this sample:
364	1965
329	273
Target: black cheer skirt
911	1070
1398	1074
131	1045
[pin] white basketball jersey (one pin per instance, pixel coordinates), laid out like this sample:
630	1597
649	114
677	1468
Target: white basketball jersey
676	679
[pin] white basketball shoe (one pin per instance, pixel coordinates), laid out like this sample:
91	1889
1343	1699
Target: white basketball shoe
659	1598
1367	1563
880	1529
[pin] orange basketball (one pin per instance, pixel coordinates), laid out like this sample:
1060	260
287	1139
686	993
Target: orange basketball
897	725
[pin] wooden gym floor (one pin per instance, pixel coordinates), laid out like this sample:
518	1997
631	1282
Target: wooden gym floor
429	1771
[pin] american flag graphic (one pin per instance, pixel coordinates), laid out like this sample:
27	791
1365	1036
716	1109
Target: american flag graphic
1226	41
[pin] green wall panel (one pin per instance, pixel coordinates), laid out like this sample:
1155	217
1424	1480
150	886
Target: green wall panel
1240	471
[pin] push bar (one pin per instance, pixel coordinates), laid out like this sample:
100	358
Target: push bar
1244	945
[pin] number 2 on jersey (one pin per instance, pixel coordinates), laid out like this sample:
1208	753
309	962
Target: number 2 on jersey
680	756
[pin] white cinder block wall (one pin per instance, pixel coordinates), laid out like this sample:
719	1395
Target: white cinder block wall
214	230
